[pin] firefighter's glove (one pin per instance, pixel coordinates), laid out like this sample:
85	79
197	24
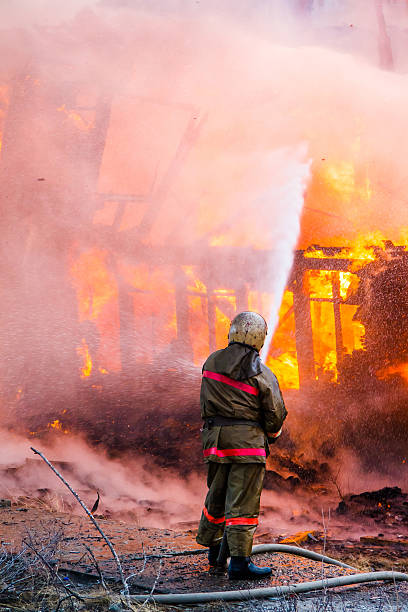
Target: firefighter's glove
274	436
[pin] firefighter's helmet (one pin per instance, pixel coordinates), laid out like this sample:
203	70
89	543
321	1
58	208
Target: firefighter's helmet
249	328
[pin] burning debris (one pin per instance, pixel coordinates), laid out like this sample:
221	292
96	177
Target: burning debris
388	506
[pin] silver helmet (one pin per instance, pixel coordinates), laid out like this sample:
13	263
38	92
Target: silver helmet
249	328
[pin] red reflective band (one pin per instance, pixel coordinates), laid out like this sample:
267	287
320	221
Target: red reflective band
234	452
216	521
231	382
241	521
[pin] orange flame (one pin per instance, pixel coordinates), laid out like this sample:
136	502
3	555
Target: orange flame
83	351
57	425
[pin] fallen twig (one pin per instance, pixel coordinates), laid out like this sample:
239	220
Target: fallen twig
61	601
98	569
95	523
141	570
53	572
154	585
86	575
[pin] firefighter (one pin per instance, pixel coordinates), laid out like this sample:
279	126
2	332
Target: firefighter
243	410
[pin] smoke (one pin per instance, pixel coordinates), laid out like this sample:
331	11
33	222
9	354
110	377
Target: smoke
163	158
128	487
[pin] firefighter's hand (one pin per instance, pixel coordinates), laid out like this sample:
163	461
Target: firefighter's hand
274	436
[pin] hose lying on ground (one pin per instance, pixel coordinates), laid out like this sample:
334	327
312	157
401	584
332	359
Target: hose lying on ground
301	552
260	548
278	591
302	587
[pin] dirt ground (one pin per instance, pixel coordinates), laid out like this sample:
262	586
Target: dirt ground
153	556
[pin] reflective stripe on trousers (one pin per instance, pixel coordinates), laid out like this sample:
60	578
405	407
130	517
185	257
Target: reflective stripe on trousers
234	489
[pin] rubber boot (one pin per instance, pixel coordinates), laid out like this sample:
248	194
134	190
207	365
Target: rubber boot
242	568
213	553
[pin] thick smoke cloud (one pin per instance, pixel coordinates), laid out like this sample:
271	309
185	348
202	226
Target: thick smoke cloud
137	136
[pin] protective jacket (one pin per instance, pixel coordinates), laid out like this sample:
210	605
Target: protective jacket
241	404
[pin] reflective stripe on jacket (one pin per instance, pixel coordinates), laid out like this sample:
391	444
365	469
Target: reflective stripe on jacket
257	398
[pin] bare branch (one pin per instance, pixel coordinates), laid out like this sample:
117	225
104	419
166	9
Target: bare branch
154	585
53	572
98	569
95	523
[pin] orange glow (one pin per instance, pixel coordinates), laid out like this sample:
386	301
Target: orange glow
285	367
223	321
94	283
198	327
282	357
96	280
319	286
353	331
298	538
318	283
83	351
76	119
221	240
194	283
340	179
330	364
57	425
345	280
401	369
324	342
362	249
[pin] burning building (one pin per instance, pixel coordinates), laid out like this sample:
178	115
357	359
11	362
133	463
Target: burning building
149	195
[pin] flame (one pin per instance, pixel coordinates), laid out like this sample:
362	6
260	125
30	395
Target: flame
363	249
319	286
57	425
194	283
330	365
345	280
83	351
286	369
94	283
223	321
209	312
282	358
324	342
318	283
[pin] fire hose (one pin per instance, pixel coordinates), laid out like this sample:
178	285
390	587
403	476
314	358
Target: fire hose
278	591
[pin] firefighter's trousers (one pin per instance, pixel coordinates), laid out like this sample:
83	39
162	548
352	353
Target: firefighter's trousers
232	503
